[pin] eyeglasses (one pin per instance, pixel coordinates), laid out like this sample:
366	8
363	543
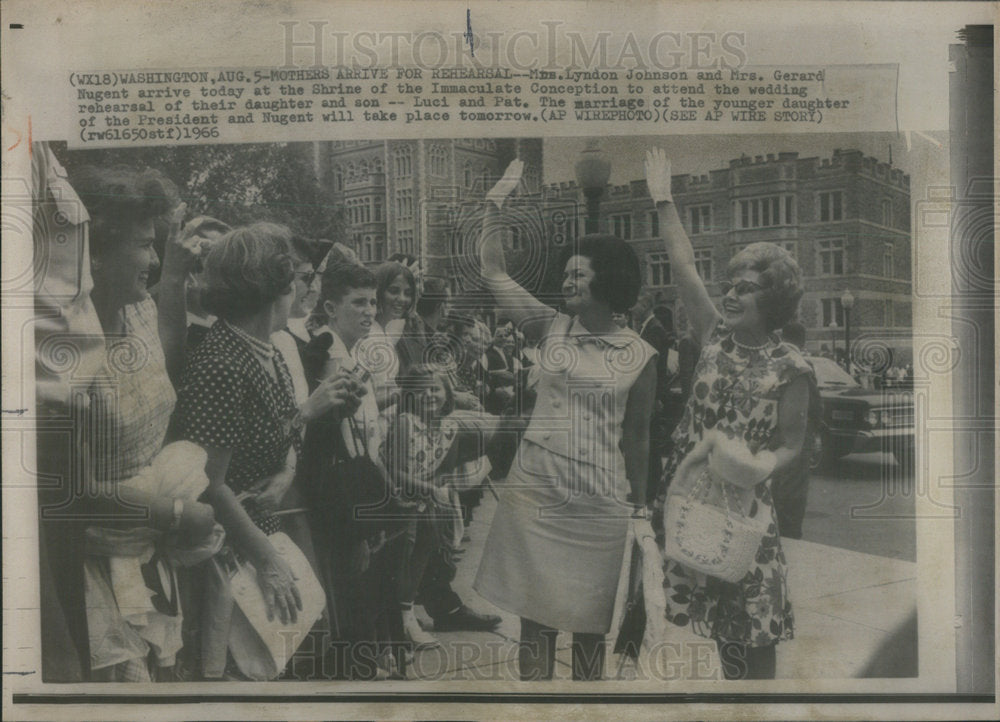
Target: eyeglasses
742	288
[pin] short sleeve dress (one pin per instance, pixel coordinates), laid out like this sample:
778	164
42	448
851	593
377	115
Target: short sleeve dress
229	401
736	391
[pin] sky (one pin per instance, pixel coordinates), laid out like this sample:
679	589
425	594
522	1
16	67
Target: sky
699	154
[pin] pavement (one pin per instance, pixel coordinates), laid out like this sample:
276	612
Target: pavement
847	605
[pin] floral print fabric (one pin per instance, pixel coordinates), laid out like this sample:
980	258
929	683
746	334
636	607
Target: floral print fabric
736	392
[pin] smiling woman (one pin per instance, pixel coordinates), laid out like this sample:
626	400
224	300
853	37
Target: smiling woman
744	421
129	409
554	551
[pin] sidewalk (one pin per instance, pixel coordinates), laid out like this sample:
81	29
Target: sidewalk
846	605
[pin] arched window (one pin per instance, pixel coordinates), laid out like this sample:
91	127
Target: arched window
467	174
438	160
403	158
338	178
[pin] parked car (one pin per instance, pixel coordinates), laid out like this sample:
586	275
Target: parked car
858	420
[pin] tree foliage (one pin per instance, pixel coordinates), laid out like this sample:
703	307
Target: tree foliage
236	183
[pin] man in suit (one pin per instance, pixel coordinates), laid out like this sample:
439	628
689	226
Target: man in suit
652	331
431	311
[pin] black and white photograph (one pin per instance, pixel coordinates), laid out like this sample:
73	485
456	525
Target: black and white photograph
436	382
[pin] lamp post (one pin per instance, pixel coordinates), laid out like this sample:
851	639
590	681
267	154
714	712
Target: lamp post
833	338
592	173
847	301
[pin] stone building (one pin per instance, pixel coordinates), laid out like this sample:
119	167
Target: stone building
846	220
404	196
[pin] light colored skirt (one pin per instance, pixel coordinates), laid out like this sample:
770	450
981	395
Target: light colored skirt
556	547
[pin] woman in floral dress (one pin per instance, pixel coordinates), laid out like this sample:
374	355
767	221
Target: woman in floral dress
750	393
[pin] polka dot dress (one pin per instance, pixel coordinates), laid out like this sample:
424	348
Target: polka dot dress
229	401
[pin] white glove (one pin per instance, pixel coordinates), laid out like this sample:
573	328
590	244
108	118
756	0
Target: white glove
506	185
658	176
732	462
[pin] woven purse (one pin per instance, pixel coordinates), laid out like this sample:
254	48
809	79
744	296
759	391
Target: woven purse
710	539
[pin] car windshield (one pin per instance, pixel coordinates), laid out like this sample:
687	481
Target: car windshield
828	373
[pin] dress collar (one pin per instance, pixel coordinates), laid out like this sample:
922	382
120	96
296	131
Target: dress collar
621	338
297	327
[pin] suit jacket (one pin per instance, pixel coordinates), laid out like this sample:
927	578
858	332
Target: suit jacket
653	333
412	344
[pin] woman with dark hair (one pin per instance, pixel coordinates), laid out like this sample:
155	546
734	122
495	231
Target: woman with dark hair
395	294
126	418
555	549
238	403
745	420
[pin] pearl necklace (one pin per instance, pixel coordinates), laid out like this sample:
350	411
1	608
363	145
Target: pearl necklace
752	348
262	349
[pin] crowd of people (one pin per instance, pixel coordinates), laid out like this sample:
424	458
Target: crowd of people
280	388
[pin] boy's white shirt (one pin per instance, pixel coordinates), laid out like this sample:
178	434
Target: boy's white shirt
367	415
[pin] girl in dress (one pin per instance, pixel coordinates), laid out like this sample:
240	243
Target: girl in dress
426	453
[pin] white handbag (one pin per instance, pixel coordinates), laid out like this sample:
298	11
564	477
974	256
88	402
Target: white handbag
717	541
260	647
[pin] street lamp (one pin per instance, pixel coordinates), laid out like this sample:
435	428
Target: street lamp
592	173
833	338
847	301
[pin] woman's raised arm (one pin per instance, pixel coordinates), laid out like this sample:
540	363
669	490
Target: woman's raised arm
530	315
697	303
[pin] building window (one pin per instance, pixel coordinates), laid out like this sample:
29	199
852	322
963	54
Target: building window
532	178
888	260
831	206
833	312
379	249
831	257
700	219
703	263
659	269
622	225
438	160
886	212
767	211
338	178
378	210
403	162
405	240
467	174
654	224
404	202
888	317
367	253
